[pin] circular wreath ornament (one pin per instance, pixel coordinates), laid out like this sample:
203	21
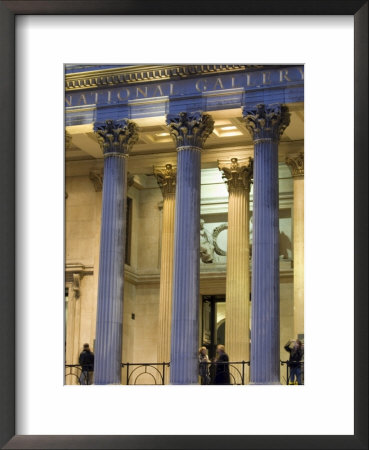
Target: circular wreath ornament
216	233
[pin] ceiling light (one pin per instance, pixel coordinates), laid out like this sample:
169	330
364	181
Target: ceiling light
229	128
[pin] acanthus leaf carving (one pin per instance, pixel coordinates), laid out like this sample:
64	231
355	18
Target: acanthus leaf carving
190	129
237	173
166	178
267	122
116	136
296	164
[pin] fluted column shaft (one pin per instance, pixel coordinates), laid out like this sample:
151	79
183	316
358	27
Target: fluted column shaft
186	269
166	177
115	138
189	131
266	125
297	168
237	175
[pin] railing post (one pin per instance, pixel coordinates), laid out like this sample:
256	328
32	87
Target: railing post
243	372
127	373
163	377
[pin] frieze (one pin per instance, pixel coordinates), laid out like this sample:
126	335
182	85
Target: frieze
209	83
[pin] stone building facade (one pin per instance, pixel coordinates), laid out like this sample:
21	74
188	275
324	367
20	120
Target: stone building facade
184	216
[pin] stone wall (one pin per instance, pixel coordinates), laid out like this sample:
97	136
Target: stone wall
141	302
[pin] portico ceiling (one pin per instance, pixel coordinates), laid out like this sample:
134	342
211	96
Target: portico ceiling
229	138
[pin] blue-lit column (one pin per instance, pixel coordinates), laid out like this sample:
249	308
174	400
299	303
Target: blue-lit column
116	137
189	130
266	125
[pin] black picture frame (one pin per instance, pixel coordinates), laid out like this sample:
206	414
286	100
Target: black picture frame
8	12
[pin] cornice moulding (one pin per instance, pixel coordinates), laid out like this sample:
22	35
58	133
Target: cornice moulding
146	74
77	269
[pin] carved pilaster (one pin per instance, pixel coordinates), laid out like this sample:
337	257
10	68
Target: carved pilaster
116	137
237	173
296	165
267	122
97	177
76	285
190	129
166	178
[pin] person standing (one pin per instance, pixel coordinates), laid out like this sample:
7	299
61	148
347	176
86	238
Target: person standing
296	355
86	360
222	367
204	366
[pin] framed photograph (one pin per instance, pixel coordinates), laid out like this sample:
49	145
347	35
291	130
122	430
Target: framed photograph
84	85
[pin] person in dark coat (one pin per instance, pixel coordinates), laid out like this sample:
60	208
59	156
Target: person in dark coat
86	360
222	366
212	370
296	355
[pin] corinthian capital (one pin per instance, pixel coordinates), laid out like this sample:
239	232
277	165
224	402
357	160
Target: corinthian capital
296	164
190	129
116	137
166	178
97	178
237	174
267	123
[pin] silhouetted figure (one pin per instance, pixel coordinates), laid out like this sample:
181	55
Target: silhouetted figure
296	355
222	366
212	370
86	359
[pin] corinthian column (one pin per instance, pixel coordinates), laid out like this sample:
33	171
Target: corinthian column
266	125
116	139
296	165
189	131
166	177
237	175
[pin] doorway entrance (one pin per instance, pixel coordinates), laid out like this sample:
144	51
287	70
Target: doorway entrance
213	322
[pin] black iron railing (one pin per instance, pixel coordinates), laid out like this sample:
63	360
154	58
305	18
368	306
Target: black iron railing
238	372
288	370
154	372
157	373
73	373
